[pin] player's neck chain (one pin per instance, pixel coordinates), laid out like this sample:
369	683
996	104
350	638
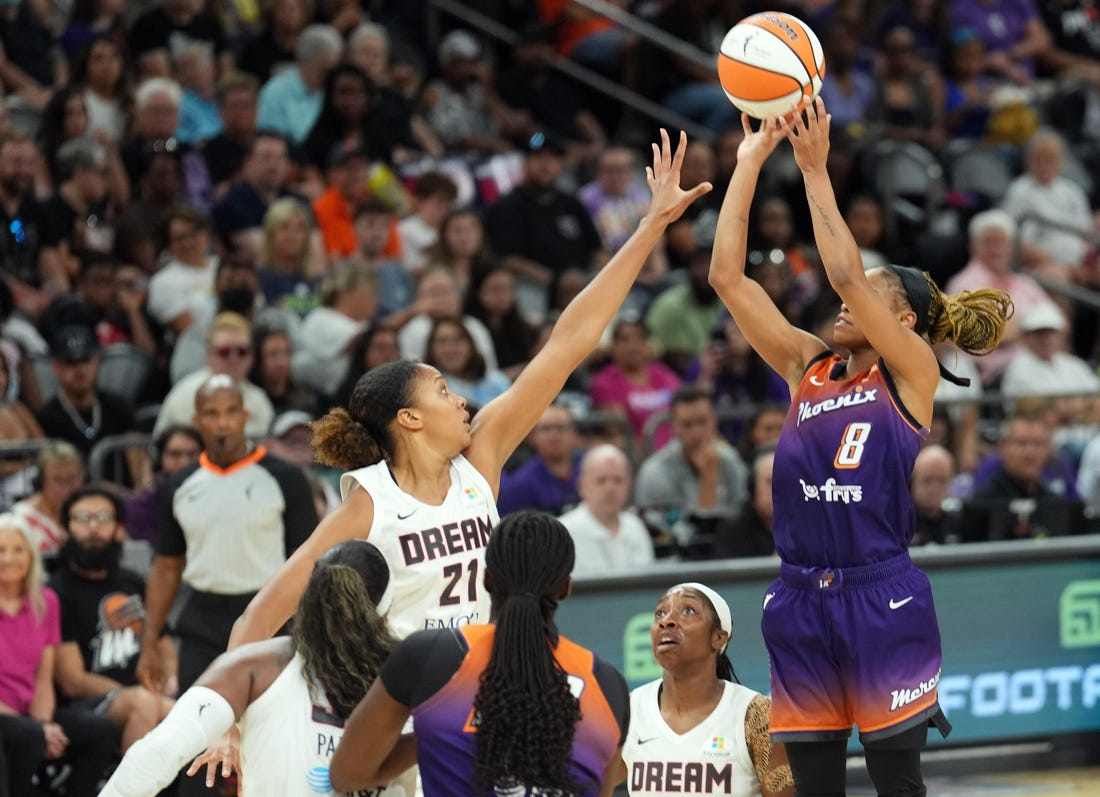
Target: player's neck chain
88	430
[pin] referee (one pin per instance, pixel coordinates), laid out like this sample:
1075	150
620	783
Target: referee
227	523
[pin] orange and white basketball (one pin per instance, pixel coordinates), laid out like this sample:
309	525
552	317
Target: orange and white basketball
769	61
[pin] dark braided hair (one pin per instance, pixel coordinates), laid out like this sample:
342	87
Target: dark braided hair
360	435
526	713
338	633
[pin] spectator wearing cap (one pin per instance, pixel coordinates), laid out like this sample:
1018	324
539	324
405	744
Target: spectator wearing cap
1042	367
346	175
291	439
990	266
462	106
81	414
238	217
536	229
349	299
291	100
229	352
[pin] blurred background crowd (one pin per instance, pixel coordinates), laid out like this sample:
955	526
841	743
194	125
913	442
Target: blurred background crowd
294	192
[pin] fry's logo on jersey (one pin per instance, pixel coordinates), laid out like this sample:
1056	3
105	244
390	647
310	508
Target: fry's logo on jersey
830	491
453	538
858	396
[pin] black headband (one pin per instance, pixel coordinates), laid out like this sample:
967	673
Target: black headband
919	295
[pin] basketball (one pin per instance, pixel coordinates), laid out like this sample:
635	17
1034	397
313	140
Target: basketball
769	61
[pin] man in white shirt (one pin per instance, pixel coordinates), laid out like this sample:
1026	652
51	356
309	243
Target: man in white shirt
228	351
606	537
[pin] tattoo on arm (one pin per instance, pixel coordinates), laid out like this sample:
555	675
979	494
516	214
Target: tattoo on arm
821	212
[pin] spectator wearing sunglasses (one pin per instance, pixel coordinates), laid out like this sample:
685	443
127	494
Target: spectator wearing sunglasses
229	352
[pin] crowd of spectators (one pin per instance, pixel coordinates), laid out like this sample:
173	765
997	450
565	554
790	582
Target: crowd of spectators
292	193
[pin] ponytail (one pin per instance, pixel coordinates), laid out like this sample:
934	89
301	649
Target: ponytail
339	634
361	434
973	320
526	714
340	442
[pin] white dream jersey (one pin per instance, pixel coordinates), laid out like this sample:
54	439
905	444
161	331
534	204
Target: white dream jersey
287	742
711	758
436	553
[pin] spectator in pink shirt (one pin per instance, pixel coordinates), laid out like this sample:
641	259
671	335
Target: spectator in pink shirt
990	266
634	384
32	727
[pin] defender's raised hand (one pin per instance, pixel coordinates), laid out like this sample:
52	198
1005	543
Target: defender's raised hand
759	144
663	177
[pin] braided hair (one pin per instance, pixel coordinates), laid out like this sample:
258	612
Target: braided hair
974	320
526	715
360	435
338	631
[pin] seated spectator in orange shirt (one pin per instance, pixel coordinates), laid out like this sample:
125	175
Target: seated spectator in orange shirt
335	209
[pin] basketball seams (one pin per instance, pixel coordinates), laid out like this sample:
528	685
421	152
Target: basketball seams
777	32
776	77
780	76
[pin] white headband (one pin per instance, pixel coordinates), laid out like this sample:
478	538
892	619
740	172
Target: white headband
721	608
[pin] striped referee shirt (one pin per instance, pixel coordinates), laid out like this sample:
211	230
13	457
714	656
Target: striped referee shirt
236	525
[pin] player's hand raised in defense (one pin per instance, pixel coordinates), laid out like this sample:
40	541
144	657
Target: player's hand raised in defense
663	177
758	144
809	138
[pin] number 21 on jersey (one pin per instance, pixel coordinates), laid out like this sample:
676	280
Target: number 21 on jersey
453	574
851	445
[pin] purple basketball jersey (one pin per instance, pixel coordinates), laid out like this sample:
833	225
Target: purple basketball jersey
841	477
